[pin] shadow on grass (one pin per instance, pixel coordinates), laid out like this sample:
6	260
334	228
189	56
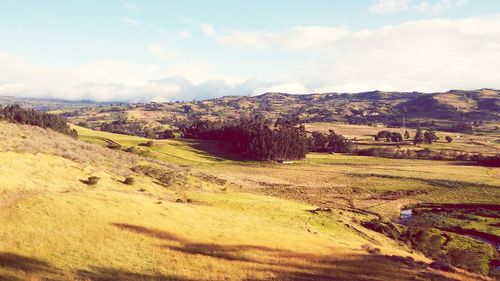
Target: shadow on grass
432	182
282	264
14	261
216	149
34	269
109	274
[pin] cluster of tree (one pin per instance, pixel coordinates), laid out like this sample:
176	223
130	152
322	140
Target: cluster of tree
72	113
390	152
136	128
114	109
15	113
428	136
254	137
331	142
389	136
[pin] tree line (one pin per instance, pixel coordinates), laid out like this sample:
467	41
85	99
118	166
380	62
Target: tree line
135	128
254	137
258	138
429	136
17	114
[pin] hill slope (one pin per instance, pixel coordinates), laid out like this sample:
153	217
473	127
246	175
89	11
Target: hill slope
54	226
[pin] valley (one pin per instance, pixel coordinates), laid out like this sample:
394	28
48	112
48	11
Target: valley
194	205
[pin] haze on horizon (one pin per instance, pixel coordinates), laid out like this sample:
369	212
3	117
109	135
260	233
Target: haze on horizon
162	51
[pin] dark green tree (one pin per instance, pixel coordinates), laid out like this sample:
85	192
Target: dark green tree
407	135
419	137
430	136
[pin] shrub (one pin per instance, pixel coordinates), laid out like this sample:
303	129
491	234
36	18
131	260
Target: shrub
114	146
472	259
370	249
129	181
449	139
165	177
132	149
439	265
149	143
212	179
385	228
93	180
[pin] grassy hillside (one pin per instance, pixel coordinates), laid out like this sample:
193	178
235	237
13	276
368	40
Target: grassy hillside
54	226
171	150
350	184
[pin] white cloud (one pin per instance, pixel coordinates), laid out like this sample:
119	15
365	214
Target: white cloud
132	22
287	87
294	39
426	55
112	80
438	6
384	7
162	53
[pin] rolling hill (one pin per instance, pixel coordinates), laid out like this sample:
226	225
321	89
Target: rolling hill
441	111
200	226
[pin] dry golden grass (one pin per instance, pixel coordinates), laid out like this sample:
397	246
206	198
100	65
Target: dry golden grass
35	140
56	227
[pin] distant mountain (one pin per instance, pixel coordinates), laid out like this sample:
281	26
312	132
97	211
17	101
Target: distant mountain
376	105
47	104
359	108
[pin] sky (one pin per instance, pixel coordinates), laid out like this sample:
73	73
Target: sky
146	50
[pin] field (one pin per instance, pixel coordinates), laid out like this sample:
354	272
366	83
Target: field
225	219
172	150
485	142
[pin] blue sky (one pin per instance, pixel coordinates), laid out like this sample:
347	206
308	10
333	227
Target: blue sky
170	50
